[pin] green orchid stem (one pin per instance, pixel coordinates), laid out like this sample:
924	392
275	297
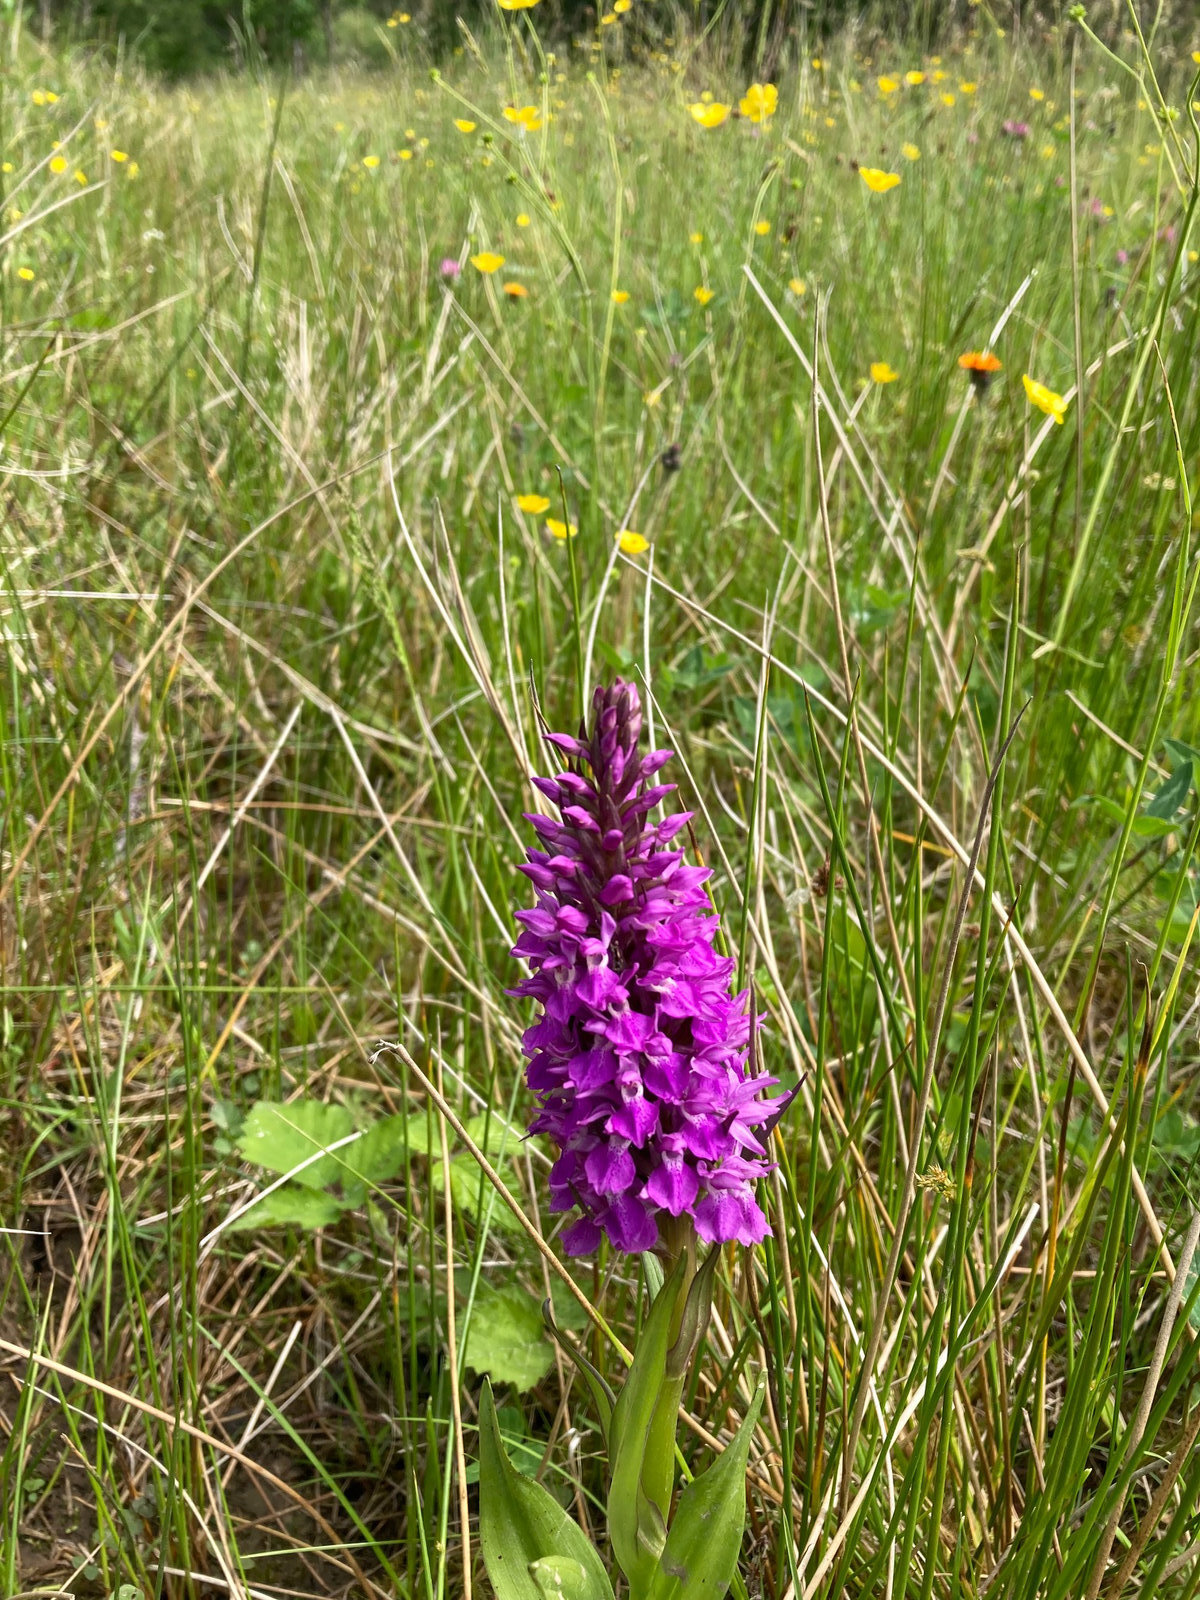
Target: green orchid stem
645	1417
658	1469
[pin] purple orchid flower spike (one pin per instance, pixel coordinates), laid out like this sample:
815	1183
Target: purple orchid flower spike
639	1054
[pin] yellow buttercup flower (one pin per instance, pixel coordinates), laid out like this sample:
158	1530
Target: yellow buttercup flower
887	85
620	296
630	543
516	291
762	228
759	102
406	155
516	5
527	117
26	274
947	99
797	286
487	261
607	20
702	294
118	155
560	530
535	504
464	125
711	115
967	88
370	162
1045	399
696	238
622	6
914	79
80	176
522	219
882	373
59	164
1036	94
877	181
910	152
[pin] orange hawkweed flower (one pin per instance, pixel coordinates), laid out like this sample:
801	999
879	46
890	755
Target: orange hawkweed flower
982	365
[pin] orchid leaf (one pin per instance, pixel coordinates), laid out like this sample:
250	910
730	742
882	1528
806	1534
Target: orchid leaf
561	1578
701	1553
602	1395
530	1544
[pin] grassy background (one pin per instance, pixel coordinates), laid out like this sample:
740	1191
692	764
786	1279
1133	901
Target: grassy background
271	618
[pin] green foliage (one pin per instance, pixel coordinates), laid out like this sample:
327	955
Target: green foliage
506	1339
532	1548
359	38
184	36
700	1557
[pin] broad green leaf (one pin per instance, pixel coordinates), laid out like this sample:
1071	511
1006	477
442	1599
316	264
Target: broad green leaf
1173	793
381	1154
1176	1135
568	1313
636	1527
493	1134
505	1338
701	1553
1145	826
1179	752
293	1206
280	1137
469	1196
522	1526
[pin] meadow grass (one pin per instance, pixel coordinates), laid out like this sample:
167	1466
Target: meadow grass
277	635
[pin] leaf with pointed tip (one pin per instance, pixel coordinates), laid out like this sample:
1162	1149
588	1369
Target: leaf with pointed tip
523	1527
701	1553
601	1393
1173	794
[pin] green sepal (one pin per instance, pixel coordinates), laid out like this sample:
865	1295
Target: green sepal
636	1525
701	1553
602	1395
528	1540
